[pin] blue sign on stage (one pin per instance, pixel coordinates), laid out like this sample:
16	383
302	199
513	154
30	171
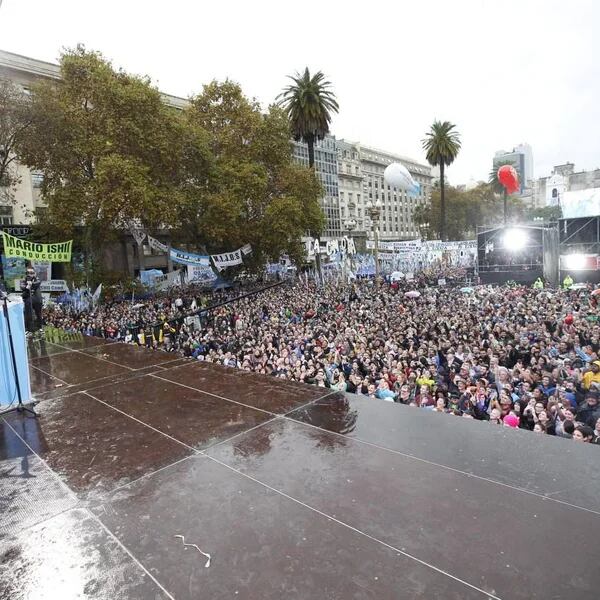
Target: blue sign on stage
8	386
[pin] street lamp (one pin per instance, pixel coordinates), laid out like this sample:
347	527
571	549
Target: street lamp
374	212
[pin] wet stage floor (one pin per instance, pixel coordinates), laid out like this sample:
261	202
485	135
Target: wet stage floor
294	491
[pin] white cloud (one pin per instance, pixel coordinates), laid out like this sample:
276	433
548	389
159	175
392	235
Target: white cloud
504	72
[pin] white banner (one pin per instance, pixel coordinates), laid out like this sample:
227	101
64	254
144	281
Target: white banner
54	285
580	203
227	259
156	245
329	247
96	294
404	247
246	249
168	280
200	274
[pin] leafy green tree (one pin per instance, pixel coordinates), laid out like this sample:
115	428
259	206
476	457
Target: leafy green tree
470	209
111	151
14	119
442	144
547	213
254	192
309	104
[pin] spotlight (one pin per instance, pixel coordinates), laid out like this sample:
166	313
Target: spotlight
575	262
515	239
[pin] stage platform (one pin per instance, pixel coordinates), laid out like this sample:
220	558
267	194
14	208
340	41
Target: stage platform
294	491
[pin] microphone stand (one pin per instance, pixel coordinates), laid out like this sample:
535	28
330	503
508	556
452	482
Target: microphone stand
20	408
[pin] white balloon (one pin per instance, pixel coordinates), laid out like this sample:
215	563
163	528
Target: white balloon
397	176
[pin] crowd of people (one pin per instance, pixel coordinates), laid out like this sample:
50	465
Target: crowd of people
143	321
511	356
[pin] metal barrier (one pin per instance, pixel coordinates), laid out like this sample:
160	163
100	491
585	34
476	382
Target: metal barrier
178	321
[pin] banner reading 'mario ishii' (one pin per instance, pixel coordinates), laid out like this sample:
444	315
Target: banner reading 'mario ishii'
14	246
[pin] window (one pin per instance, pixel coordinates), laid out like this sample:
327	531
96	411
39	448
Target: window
41	213
6	215
37	179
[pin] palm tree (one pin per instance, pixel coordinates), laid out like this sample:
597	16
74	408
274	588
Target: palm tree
309	104
497	187
442	145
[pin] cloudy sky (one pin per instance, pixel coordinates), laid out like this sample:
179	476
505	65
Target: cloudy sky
504	72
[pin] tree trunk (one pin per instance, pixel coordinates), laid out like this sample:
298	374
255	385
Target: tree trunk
442	205
89	255
310	142
505	207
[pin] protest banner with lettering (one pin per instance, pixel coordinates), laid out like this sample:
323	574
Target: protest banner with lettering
407	246
14	246
227	259
156	245
54	285
200	274
329	247
58	336
21	231
188	258
49	286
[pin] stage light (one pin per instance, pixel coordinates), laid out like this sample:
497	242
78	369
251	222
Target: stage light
575	262
515	239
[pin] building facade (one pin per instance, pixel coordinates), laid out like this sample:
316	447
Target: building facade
521	157
396	221
550	189
350	175
326	168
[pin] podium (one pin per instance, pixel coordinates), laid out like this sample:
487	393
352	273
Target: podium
8	384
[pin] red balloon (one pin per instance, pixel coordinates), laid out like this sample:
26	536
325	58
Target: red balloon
509	179
569	320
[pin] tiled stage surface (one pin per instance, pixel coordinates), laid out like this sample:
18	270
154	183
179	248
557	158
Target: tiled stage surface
293	491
